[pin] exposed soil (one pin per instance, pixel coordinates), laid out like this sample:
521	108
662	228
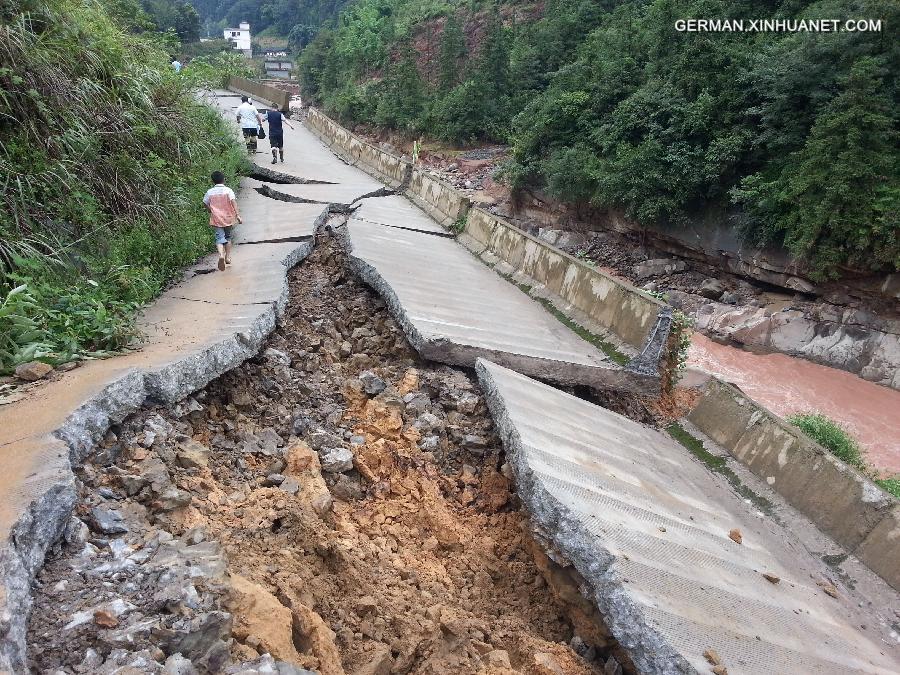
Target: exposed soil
357	498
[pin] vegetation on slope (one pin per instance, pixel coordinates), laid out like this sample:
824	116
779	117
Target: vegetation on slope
298	20
834	438
104	156
793	136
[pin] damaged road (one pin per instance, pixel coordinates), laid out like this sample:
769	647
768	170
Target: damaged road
337	504
334	504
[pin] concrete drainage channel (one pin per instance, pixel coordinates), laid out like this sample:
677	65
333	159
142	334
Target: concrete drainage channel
333	504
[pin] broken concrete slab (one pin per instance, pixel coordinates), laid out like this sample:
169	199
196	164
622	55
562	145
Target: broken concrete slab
647	527
453	310
306	156
271	220
395	211
196	331
338	193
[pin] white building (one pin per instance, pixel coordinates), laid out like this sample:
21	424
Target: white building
240	36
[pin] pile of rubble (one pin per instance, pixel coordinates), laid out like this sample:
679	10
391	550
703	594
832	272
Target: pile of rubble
332	505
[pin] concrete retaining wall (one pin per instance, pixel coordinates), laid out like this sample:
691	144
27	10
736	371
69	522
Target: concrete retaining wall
281	99
843	503
626	312
638	324
438	199
389	169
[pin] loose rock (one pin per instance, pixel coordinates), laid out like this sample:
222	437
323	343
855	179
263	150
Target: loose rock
106	520
33	371
336	460
372	383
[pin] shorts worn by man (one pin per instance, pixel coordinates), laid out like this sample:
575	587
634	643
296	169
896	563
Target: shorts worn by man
223	215
276	133
249	119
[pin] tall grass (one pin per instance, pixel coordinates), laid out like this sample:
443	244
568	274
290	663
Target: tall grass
831	436
838	441
104	156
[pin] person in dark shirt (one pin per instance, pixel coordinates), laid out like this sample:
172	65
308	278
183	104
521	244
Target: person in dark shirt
276	133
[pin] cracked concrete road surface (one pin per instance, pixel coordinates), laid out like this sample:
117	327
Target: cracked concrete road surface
649	530
644	523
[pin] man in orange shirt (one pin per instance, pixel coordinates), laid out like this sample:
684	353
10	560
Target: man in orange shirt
223	214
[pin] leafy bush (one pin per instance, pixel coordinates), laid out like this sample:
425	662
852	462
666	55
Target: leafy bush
834	438
105	154
213	70
890	485
467	113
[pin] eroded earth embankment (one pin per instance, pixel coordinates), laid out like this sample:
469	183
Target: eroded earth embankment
334	504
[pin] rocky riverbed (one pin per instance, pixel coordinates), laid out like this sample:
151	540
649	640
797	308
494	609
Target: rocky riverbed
333	505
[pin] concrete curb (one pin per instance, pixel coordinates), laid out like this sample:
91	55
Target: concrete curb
629	316
438	199
565	532
391	170
53	491
841	501
277	97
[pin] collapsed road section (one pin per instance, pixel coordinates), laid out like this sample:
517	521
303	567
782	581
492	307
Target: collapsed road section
455	309
335	504
198	329
679	567
340	503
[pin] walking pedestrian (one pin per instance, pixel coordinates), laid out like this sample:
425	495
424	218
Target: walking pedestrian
276	133
176	65
223	215
249	119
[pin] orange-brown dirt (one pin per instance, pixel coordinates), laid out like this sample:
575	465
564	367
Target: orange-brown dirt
415	558
429	571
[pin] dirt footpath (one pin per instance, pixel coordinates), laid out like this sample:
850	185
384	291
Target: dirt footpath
334	504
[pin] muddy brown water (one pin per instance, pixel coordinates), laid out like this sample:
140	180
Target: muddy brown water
787	385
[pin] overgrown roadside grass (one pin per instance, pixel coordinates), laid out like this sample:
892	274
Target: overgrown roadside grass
837	440
105	153
720	466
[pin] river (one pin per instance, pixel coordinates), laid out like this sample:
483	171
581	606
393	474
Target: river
786	385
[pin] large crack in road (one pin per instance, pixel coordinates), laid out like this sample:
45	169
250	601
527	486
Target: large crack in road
334	504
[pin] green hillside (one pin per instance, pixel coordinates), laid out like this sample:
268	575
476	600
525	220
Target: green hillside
298	20
607	105
104	156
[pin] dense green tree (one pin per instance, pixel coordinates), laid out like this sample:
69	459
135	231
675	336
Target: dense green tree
300	36
187	23
493	61
836	200
276	16
402	99
174	15
453	49
606	105
313	67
